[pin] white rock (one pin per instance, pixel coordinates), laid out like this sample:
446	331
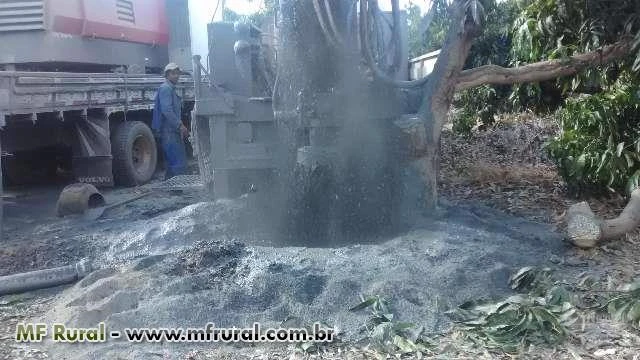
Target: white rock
604	352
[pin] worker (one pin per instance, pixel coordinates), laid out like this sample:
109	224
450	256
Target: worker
167	123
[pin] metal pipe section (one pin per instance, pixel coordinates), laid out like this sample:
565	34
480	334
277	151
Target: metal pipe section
41	279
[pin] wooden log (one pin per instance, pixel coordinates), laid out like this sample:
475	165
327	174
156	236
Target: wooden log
586	230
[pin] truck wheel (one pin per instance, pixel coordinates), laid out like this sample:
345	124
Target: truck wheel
134	153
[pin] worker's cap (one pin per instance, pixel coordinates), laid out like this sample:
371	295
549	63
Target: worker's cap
172	66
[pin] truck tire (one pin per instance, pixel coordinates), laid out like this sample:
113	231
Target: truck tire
134	153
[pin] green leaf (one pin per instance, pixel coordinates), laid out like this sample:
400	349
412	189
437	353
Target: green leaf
469	304
580	163
568	317
476	11
619	311
634	312
558	295
619	149
308	347
586	280
603	158
522	278
634	285
406	346
550	25
402	326
365	304
612	178
633	182
636	63
382	332
629	157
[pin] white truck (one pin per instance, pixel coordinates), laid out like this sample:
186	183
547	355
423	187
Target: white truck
77	86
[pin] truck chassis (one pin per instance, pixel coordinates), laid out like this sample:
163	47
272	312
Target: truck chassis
104	118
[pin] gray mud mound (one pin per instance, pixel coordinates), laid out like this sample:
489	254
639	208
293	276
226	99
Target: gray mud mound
176	230
193	269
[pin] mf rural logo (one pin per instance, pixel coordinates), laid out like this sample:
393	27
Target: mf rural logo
60	333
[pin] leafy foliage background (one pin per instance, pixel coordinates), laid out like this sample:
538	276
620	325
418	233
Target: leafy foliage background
597	149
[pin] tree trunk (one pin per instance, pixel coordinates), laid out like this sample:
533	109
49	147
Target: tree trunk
438	95
586	230
429	166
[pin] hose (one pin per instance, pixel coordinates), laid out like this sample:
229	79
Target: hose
352	26
316	6
332	23
368	56
215	11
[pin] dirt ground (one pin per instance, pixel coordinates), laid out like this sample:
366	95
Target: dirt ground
35	238
503	167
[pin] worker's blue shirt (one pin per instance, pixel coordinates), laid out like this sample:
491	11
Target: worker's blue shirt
166	124
167	111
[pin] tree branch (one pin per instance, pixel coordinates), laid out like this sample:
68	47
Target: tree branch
544	70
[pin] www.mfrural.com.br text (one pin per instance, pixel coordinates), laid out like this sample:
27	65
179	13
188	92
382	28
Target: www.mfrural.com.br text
37	332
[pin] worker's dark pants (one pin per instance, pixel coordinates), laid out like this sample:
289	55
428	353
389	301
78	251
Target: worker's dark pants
175	155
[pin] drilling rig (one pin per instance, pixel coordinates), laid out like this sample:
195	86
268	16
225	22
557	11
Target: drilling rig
319	136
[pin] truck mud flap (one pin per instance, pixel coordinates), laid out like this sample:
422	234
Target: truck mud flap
92	160
94	170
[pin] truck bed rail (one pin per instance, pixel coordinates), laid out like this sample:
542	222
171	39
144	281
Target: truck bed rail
41	92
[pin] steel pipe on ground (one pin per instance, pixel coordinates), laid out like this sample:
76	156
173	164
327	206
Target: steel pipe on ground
40	279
